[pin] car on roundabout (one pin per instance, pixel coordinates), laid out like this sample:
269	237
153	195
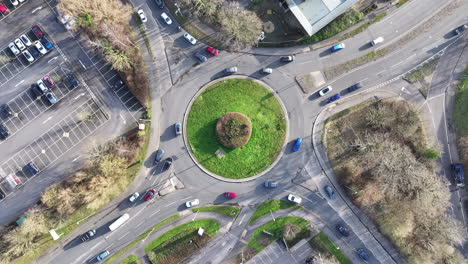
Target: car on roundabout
297	144
333	98
354	87
294	199
103	255
158	156
325	90
338	47
270	184
230	194
133	197
167	163
193	203
150	195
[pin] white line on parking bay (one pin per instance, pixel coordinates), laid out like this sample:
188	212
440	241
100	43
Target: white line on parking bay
37	9
125	122
47	120
22	81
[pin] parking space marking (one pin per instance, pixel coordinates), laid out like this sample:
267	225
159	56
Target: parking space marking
52	145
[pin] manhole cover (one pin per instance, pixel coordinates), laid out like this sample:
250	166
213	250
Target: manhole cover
268	27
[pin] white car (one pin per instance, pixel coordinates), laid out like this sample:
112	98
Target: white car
294	199
192	203
13	48
42	86
325	90
14	2
39	47
377	41
190	39
25	40
142	16
166	18
22	1
267	70
134	197
28	56
19	44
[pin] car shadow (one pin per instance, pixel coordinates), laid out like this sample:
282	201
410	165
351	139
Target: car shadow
314	96
368	45
168	134
325	53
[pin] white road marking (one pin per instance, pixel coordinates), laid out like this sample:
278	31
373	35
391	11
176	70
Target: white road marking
396	64
379	72
77	157
154	213
78	96
140	223
47	120
37	9
93	247
124	235
242	219
54	58
363	80
170	204
19	83
125	122
187	197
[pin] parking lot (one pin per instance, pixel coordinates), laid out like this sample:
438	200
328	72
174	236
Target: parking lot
8	8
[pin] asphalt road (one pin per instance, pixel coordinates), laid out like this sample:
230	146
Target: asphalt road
185	76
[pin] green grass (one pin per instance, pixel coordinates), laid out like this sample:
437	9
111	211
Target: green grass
460	109
401	2
363	27
142	29
211	228
426	70
322	243
276	228
268	127
271	205
129	260
140	237
340	23
231	211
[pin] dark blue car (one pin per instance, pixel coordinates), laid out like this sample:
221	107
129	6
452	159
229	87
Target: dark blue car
297	145
330	192
362	254
354	87
342	230
333	98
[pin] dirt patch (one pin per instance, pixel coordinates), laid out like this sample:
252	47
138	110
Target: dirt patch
233	130
311	81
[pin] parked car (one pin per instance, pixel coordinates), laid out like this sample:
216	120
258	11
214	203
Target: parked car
159	3
266	70
25	40
230	70
6	110
270	184
72	80
42	86
460	30
4	132
32	168
3	9
458	175
158	157
294	199
103	255
166	18
190	39
19	44
51	98
37	31
34	52
230	194
178	128
149	195
133	197
40	47
325	90
88	235
212	50
14	2
362	254
28	56
192	203
329	191
289	58
48	81
377	41
36	90
297	144
2	196
13	48
142	16
167	163
338	47
354	87
333	98
200	57
46	43
342	230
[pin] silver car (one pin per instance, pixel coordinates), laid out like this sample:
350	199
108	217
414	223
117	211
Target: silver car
230	70
134	197
267	70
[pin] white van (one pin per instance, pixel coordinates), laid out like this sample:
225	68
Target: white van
377	41
119	222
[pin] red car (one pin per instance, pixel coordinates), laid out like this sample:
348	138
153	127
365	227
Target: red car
150	194
48	81
37	31
230	195
3	9
212	50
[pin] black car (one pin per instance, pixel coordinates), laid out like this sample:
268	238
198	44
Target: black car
2	196
167	163
159	3
4	132
32	168
354	87
287	58
6	110
460	29
88	235
71	78
36	90
342	230
34	52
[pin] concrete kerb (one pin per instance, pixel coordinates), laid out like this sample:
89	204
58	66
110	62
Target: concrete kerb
189	149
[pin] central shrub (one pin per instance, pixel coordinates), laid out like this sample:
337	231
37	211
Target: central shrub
233	130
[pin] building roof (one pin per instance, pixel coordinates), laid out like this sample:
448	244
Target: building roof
315	14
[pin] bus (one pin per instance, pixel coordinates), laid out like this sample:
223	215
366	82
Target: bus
119	222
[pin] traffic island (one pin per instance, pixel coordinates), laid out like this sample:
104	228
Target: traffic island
235	128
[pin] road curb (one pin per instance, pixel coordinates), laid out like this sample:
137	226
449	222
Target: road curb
189	149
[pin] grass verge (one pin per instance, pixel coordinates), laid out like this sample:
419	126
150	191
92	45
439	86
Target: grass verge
340	23
259	240
322	243
401	2
426	70
142	29
268	128
130	260
363	27
460	110
231	211
140	237
271	206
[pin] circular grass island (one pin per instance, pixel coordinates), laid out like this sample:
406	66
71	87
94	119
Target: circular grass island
236	128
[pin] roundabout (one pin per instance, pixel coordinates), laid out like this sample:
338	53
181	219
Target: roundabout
235	128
